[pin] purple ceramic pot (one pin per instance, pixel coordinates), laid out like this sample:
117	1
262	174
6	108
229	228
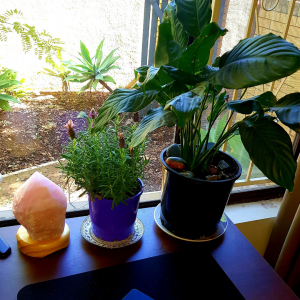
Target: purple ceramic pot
117	223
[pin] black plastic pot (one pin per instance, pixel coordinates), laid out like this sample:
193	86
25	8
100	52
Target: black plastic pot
192	208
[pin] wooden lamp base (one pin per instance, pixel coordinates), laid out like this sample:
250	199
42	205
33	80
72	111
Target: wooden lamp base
34	248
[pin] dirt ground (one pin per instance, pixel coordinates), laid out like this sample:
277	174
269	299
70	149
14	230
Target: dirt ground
33	133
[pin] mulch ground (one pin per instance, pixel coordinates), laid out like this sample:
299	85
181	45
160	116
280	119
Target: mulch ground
33	133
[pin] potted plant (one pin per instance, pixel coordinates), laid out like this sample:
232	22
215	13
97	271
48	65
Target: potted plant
103	165
187	88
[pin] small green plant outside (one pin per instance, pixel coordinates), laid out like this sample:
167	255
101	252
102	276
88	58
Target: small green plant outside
92	69
6	83
19	91
103	164
59	71
43	43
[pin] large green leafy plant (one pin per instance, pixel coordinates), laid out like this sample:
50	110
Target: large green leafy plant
92	69
185	86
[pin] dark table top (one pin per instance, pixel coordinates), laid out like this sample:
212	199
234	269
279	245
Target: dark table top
245	267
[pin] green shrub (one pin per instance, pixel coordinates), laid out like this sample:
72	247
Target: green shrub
92	69
102	164
6	82
59	71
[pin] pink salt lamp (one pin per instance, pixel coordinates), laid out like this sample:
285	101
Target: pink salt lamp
40	206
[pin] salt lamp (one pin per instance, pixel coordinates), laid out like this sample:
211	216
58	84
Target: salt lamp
40	206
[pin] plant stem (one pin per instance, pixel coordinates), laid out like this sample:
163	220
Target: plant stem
244	92
210	122
231	114
219	143
105	85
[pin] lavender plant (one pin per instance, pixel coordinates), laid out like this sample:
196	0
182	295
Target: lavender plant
102	163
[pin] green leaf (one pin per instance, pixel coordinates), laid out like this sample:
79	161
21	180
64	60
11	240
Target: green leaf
86	67
155	79
109	59
270	149
5	105
218	107
81	71
8	83
68	62
142	71
9	98
155	118
194	15
110	68
207	73
87	86
82	115
246	107
151	81
171	90
85	52
50	71
167	50
266	99
196	56
255	61
99	54
84	61
95	84
178	33
200	88
59	56
184	106
99	76
122	100
216	62
287	110
219	128
182	76
74	77
108	79
6	74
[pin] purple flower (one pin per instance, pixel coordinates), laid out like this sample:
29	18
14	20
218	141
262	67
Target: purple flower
122	143
70	129
136	116
93	114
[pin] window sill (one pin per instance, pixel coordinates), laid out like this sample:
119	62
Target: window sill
253	211
238	213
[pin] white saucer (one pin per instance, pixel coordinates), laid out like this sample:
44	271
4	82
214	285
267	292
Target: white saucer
87	233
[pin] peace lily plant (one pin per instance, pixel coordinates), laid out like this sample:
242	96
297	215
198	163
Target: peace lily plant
185	86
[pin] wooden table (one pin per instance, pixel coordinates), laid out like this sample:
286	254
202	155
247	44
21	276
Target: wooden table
250	273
